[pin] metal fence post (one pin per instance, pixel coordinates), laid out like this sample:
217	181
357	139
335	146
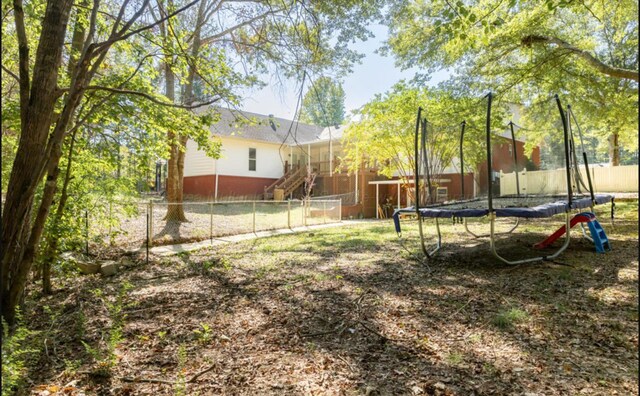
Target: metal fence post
147	237
324	212
254	217
211	221
110	220
305	203
86	232
150	223
289	214
340	210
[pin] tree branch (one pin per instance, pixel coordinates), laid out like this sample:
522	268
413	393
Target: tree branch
223	33
23	63
106	44
150	98
597	64
12	74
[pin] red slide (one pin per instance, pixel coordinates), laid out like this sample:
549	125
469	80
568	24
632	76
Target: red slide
579	218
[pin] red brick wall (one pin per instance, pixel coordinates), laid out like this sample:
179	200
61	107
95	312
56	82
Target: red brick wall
351	211
199	185
341	183
502	160
239	185
453	182
229	186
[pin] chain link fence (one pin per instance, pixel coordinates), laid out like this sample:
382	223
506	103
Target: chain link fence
346	198
162	223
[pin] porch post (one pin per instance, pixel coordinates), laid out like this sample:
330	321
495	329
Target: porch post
357	171
398	193
330	153
377	201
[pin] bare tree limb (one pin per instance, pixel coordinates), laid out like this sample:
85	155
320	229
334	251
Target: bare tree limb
150	98
585	55
102	46
12	74
223	33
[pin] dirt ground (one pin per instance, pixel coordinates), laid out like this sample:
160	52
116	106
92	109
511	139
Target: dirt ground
351	311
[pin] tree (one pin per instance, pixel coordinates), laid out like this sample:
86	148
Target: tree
586	51
323	104
384	135
115	53
49	107
289	38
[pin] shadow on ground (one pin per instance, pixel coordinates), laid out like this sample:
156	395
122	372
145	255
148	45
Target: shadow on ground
349	311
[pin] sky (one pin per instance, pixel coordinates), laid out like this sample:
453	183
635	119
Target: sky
376	74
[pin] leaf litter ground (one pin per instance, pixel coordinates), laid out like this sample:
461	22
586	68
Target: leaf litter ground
351	311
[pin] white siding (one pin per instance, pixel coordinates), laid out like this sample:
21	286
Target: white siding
234	160
196	162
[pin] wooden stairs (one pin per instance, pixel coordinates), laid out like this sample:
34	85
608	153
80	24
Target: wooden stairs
288	182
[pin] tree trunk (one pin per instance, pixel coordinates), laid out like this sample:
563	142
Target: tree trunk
54	236
31	157
175	165
175	210
614	149
177	142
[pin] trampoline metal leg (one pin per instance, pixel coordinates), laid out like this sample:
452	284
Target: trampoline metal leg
533	259
466	227
584	233
422	242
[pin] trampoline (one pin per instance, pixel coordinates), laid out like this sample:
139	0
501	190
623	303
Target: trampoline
516	206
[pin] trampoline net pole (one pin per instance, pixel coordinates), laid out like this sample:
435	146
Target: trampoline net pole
574	158
416	164
425	160
417	181
584	154
464	123
489	165
515	157
567	160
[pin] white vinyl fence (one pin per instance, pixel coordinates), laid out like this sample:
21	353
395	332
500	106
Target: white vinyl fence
605	179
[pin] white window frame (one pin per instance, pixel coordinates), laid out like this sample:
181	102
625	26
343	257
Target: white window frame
253	160
439	191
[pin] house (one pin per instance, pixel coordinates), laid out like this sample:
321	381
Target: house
448	184
256	151
261	153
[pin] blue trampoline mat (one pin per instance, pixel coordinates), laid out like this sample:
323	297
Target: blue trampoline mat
530	207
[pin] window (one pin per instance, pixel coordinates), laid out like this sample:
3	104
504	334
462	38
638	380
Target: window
252	159
442	193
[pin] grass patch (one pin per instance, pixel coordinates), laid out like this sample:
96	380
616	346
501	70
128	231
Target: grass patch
455	358
507	319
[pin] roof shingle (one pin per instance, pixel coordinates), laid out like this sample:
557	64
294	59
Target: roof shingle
247	125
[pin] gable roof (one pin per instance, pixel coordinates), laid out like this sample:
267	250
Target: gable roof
247	125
